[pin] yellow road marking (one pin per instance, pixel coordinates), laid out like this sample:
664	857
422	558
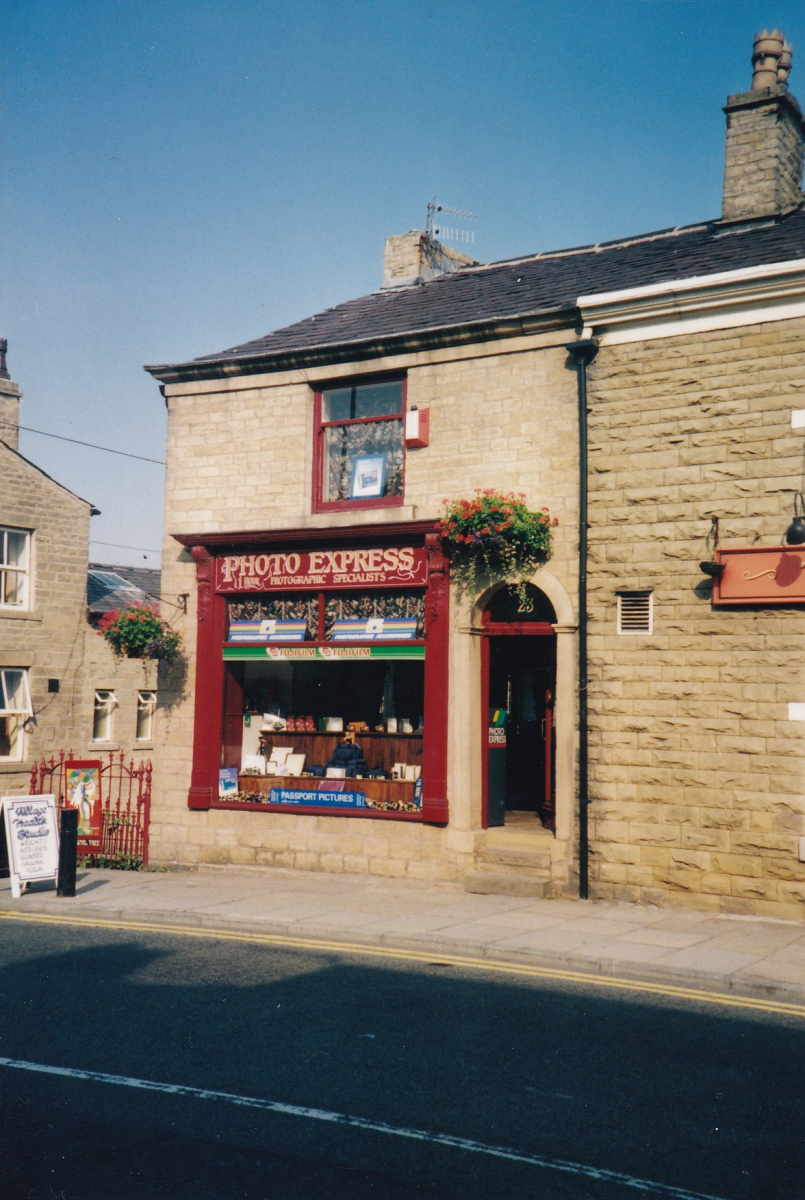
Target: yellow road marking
494	966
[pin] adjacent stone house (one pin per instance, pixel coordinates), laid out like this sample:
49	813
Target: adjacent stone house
61	687
647	744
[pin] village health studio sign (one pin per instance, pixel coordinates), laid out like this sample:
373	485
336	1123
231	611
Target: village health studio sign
322	653
394	566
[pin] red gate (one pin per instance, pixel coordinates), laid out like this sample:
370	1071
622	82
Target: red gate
125	800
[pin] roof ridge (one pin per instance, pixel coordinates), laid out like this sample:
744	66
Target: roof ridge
589	248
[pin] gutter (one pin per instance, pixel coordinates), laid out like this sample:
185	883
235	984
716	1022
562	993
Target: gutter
583	352
517	325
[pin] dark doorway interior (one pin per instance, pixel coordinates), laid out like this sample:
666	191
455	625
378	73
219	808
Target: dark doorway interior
522	680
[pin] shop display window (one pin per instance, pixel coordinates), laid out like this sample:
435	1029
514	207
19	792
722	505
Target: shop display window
343	734
360	445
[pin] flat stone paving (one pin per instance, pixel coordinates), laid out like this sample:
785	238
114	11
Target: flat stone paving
749	955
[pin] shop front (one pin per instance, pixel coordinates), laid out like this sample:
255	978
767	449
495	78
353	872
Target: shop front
322	667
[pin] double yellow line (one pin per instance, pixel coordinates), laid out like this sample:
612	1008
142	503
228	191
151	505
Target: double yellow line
426	957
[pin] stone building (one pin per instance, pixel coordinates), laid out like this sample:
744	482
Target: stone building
651	749
61	687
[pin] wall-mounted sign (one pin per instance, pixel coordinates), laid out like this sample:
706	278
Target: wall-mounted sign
324	569
269	630
301	797
374	629
320	653
761	575
32	838
83	791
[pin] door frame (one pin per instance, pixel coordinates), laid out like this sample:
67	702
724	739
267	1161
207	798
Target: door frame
490	629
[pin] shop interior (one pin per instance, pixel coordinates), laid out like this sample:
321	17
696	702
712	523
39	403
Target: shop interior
316	709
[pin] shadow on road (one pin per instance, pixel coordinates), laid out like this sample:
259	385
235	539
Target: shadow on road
697	1098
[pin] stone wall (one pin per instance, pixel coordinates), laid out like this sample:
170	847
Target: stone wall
48	639
239	458
697	775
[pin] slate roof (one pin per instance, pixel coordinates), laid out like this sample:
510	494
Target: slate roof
539	284
136	585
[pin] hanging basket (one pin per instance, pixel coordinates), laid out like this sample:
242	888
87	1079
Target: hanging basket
138	631
495	534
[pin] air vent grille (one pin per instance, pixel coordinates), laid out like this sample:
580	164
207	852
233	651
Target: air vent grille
635	612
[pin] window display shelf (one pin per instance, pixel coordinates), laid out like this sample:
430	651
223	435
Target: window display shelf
381	750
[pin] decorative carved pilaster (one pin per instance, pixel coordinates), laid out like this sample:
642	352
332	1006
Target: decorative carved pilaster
204	571
437	578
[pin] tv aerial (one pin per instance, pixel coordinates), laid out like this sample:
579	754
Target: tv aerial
436	229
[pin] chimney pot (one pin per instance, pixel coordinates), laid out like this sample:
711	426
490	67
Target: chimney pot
766	55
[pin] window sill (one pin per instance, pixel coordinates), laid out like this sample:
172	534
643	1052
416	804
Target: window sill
342	517
144	745
14	766
103	745
19	614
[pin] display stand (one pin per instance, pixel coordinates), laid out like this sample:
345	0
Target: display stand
32	838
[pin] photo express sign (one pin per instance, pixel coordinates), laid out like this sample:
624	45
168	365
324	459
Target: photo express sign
394	566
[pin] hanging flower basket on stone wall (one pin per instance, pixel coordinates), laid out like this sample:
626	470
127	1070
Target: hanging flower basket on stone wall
495	534
138	631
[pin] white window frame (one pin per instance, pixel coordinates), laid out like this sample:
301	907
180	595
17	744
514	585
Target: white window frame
8	568
146	707
103	714
633	594
15	705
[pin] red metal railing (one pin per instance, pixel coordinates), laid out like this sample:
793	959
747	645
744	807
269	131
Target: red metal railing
125	800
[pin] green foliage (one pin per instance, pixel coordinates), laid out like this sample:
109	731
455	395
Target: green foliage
495	534
138	631
119	862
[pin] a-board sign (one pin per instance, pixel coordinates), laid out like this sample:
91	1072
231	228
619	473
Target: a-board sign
32	837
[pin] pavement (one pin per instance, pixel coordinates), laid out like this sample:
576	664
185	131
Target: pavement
749	956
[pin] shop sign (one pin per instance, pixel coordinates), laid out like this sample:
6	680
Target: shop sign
321	653
83	791
302	797
497	726
32	839
270	630
761	575
389	567
373	629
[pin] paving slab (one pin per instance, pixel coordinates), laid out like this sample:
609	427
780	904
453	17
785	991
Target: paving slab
710	962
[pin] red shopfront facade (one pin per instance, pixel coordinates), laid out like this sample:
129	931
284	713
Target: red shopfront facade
344	625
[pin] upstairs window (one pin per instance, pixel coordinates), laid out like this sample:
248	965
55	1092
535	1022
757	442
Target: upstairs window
360	445
15	709
15	553
146	706
102	715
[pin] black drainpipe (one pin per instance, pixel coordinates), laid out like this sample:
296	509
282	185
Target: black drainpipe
583	352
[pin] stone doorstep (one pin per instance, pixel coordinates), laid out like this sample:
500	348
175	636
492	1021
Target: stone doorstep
530	837
490	883
512	862
529	860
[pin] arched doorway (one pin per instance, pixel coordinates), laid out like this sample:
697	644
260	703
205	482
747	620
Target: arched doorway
518	665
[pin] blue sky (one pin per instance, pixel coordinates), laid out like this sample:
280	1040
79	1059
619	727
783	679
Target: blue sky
179	177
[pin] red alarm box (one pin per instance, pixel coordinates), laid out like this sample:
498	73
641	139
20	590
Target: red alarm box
417	428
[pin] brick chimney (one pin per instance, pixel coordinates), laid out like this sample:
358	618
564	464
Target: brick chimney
417	257
765	126
9	403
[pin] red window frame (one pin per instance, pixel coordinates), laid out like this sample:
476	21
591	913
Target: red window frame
320	426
